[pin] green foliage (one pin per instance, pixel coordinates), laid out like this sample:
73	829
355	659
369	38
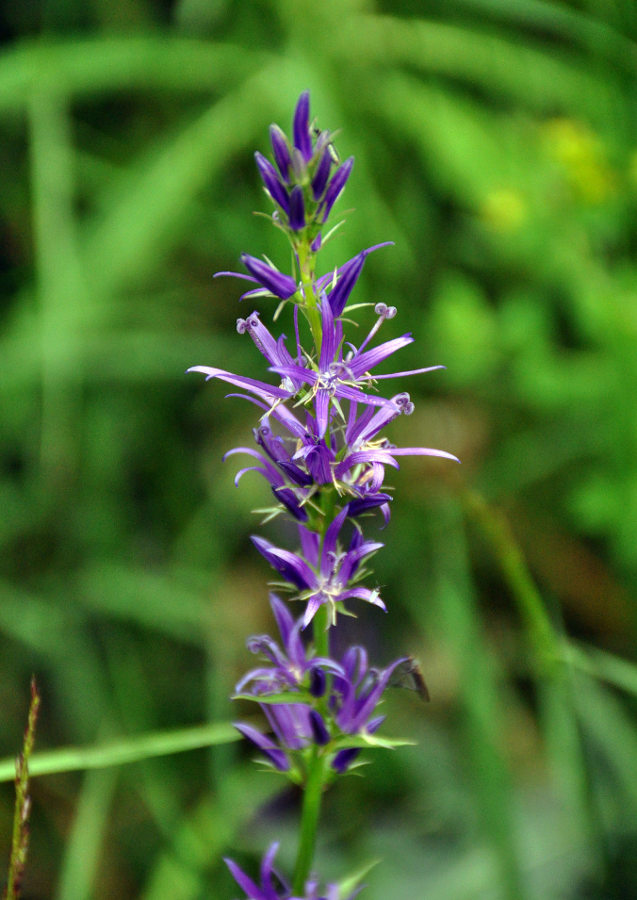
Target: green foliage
495	144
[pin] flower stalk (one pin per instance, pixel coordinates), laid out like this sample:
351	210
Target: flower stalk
320	448
310	814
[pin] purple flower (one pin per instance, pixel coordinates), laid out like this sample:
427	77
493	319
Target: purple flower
287	685
275	887
340	377
291	667
354	698
324	576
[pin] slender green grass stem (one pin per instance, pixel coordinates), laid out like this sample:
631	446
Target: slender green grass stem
496	529
20	834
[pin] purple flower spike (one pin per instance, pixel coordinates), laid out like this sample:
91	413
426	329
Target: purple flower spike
276	282
271	181
297	209
302	135
336	185
281	152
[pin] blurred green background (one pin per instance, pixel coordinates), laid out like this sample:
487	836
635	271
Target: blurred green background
496	144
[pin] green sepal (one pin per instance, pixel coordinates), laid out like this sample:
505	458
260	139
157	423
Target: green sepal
369	740
348	884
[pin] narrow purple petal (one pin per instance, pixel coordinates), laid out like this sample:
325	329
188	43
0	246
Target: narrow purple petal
370	423
313	606
329	543
329	340
360	593
322	408
364	362
246	884
325	281
309	545
409	372
266	392
348	276
422	451
266	871
283	616
385	457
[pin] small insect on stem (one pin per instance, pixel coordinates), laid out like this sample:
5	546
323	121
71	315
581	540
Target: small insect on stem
408	675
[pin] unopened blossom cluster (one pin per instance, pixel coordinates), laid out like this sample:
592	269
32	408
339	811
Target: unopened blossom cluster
320	444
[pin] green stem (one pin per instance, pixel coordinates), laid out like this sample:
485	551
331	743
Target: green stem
307	262
315	779
321	632
309	819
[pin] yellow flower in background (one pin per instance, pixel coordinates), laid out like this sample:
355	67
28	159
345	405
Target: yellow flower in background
504	209
582	155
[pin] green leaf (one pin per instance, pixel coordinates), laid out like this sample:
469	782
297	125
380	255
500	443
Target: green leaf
126	750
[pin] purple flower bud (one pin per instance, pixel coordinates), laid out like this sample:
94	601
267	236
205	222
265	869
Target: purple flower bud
288	498
348	277
302	136
315	246
318	682
281	151
319	182
281	285
297	209
336	185
271	181
344	758
371	501
276	756
319	732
